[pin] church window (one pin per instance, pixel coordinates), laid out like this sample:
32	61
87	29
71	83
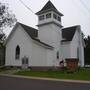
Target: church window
57	54
48	15
41	17
17	52
78	53
54	16
59	18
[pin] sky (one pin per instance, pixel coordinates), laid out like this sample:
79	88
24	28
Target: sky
76	12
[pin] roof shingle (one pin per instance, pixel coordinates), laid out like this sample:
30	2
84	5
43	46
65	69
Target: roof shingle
68	33
49	7
33	33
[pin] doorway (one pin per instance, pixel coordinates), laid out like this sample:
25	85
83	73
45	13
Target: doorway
25	62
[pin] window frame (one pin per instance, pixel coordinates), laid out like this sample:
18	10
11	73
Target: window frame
57	54
48	15
41	17
59	18
17	53
55	16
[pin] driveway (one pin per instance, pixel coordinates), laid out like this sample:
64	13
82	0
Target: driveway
13	83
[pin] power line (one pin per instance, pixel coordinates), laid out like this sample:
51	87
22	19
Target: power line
26	6
85	6
79	9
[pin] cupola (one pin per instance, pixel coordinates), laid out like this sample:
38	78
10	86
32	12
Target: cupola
49	14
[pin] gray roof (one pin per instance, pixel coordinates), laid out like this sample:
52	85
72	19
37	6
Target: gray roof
49	7
33	33
68	33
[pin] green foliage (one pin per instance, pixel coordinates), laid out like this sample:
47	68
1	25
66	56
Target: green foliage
87	50
6	17
2	49
2	40
2	68
82	74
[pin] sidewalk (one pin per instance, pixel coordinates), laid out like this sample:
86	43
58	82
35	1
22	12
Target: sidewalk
50	79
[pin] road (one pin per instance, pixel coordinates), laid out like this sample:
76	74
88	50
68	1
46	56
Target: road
13	83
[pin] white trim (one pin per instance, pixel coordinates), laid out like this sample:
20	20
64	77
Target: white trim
87	65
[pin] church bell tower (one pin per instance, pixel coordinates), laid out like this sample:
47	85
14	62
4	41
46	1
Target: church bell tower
49	21
49	26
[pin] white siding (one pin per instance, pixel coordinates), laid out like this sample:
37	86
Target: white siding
77	43
38	55
50	58
66	50
41	56
19	37
69	49
51	34
74	45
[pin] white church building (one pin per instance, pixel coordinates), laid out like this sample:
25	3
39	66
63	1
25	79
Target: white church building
46	46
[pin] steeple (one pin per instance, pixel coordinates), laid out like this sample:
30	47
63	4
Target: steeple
48	7
49	14
49	26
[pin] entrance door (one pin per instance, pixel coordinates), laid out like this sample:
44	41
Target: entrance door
24	62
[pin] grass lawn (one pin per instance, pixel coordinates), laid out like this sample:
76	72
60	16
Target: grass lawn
2	68
82	74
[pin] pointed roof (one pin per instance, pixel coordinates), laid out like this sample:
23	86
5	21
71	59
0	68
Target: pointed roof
49	7
32	32
68	33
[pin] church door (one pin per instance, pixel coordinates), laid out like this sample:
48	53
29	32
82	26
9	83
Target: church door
24	62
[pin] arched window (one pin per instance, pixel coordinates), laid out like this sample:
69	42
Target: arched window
17	52
57	54
48	15
78	52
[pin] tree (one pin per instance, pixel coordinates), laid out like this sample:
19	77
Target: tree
2	48
87	50
6	17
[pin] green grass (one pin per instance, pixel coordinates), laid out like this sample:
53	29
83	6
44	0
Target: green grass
83	74
2	68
